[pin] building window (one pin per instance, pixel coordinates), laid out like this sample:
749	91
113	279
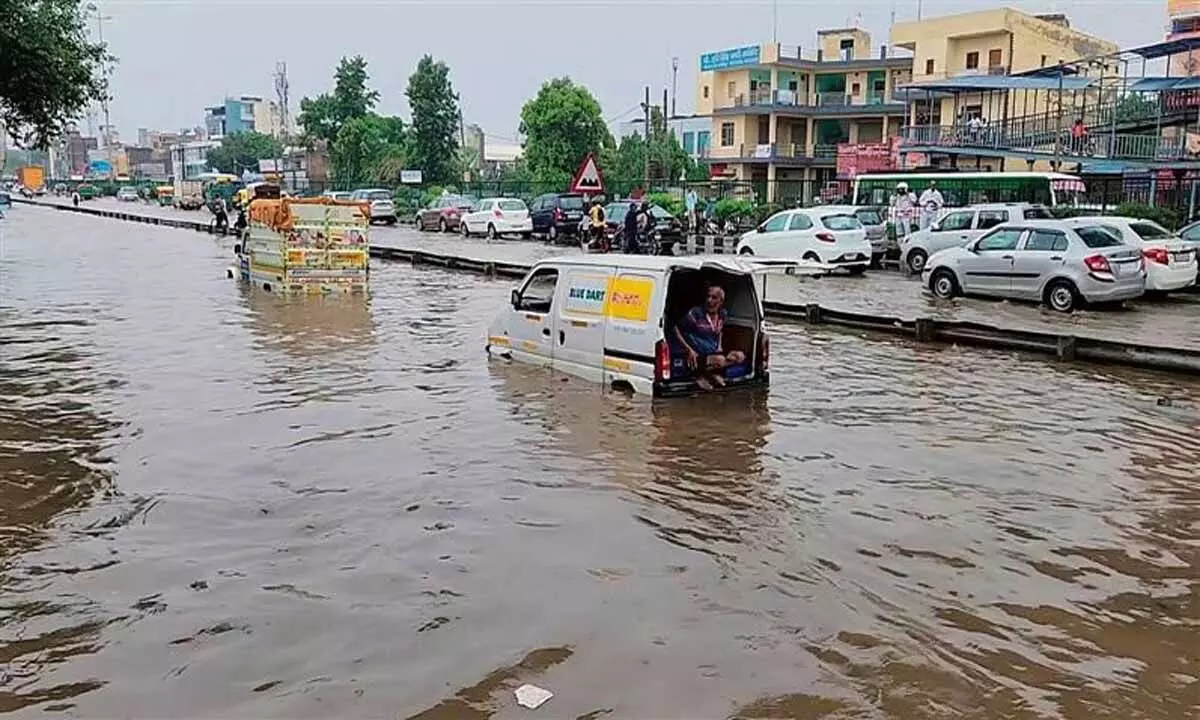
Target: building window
972	60
731	89
702	142
706	87
1044	59
727	134
855	88
995	58
929	66
689	143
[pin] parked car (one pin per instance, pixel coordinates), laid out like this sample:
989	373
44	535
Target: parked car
957	226
495	217
872	219
339	195
667	228
1170	261
127	194
383	209
557	216
825	234
444	213
1061	263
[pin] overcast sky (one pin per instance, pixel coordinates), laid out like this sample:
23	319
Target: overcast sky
177	56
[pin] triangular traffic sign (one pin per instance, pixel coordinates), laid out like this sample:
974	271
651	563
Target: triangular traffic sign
588	179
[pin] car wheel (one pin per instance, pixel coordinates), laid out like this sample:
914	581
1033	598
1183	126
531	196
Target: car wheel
462	229
1061	296
811	257
943	284
552	234
443	226
491	232
916	261
857	269
391	221
745	251
526	236
419	224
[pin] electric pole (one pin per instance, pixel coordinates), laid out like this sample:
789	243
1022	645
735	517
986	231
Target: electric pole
674	83
646	154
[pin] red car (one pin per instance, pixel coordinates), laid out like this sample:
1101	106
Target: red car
444	213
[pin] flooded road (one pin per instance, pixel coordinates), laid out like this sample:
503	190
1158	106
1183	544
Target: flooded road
216	503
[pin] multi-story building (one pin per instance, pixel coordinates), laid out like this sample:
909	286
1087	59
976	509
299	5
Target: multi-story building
189	160
76	151
779	116
1184	23
243	114
693	131
961	69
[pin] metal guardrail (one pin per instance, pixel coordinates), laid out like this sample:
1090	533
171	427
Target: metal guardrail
1065	347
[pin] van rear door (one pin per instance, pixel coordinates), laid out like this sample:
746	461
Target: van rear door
579	321
633	310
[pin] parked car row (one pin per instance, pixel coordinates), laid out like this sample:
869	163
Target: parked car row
1064	263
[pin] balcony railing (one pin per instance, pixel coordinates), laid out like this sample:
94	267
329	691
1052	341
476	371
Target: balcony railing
796	98
769	151
1099	145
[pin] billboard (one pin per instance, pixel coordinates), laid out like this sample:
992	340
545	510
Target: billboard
727	59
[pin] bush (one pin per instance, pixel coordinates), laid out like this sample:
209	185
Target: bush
766	210
668	202
733	208
1163	216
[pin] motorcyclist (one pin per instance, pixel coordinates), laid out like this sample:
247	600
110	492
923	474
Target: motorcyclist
596	213
220	215
645	222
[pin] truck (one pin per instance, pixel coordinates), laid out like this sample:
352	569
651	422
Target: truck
32	177
305	245
189	194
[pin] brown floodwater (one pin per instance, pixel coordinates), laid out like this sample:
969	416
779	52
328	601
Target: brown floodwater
218	503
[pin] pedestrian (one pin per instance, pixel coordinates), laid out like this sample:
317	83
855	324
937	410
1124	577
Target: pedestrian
690	200
629	243
75	198
932	203
903	206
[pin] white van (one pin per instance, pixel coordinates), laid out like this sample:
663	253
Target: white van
608	318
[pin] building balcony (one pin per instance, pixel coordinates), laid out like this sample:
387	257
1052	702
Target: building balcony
1047	144
764	102
771	153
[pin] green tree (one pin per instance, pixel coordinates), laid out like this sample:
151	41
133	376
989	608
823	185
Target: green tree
561	126
242	150
669	162
323	116
49	71
433	146
367	149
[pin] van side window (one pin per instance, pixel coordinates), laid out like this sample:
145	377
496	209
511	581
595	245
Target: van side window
538	293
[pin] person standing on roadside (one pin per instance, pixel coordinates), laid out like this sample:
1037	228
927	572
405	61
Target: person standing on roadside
932	203
690	200
903	208
630	242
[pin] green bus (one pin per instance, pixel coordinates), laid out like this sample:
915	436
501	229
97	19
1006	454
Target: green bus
972	188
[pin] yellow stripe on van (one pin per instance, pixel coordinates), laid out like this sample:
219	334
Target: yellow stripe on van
617	365
499	340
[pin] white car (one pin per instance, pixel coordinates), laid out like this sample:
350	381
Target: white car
127	194
1170	261
382	207
958	226
833	236
495	217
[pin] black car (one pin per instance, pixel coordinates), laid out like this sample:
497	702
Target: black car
557	216
667	228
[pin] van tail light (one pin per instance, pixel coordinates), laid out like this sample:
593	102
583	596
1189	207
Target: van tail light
764	352
662	361
558	215
826	237
1097	264
1156	255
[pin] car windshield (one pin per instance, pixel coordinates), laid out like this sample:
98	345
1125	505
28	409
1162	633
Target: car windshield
571	202
1037	212
660	213
514	205
1150	231
616	211
1095	236
841	222
378	195
868	217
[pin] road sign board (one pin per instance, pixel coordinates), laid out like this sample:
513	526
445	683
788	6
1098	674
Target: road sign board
588	179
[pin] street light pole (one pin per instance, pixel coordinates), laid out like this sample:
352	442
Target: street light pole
674	83
106	134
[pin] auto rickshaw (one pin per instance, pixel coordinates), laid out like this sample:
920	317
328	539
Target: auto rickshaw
87	191
164	194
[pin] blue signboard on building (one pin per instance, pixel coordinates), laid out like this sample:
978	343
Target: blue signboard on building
726	59
101	168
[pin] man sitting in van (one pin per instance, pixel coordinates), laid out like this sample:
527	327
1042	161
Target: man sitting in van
699	333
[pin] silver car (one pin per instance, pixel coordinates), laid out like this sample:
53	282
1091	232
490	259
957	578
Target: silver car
958	226
872	221
1061	263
